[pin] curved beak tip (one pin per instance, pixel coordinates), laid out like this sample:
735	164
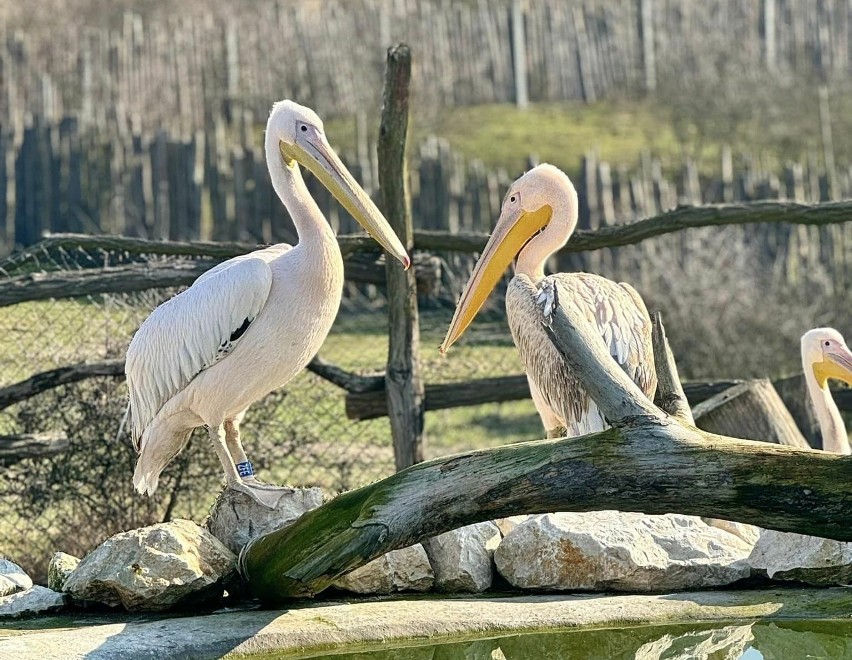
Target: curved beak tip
406	262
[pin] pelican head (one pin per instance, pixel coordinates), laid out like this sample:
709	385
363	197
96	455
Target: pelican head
539	214
301	139
825	353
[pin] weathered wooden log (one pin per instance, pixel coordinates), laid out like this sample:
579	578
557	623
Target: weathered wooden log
141	277
752	411
682	217
670	397
646	462
404	383
14	448
371	404
118	279
46	380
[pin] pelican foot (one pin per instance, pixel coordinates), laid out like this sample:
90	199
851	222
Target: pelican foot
264	494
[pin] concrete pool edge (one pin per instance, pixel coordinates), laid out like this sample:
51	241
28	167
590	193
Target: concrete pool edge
362	624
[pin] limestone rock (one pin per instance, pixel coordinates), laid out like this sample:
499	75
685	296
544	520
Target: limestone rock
58	570
154	568
236	518
613	551
407	569
506	525
462	558
748	533
795	557
36	600
13	578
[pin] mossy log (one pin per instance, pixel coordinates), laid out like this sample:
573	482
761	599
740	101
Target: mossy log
648	461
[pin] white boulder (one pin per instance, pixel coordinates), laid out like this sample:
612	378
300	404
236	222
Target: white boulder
35	600
236	518
154	568
613	551
407	569
795	557
462	558
13	578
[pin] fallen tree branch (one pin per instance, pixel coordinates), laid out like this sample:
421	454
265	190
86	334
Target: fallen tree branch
682	217
88	282
14	448
646	462
47	380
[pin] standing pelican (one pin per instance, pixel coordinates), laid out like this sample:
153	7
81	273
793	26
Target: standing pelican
249	325
538	216
825	355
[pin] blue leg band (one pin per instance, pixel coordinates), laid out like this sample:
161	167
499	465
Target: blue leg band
245	469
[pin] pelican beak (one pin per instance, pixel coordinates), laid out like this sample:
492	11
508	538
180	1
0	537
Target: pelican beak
837	363
511	234
313	152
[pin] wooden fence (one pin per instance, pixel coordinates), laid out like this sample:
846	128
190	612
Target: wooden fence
214	185
174	71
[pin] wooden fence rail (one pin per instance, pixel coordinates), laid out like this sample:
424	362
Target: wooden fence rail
212	188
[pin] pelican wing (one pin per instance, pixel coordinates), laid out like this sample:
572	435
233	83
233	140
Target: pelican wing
192	331
617	313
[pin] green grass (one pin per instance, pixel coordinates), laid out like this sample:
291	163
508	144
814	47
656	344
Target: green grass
561	133
777	125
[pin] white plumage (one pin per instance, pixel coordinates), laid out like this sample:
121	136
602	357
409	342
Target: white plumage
249	325
825	355
538	216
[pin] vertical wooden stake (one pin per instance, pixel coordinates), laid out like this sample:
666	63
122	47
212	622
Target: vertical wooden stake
519	55
403	383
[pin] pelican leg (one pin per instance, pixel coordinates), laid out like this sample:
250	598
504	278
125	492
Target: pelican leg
261	493
235	445
217	439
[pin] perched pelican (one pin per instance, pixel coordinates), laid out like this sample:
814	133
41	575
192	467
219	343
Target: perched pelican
538	216
825	355
249	325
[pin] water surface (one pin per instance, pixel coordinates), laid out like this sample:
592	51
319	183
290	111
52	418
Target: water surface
788	640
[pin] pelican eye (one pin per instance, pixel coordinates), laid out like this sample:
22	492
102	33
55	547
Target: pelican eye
304	128
827	343
512	198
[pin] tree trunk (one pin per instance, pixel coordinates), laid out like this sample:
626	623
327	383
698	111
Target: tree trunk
752	411
648	462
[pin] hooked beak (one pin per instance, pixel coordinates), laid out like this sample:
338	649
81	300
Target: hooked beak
837	363
313	152
510	236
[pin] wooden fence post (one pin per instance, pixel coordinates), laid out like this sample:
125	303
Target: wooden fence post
402	380
519	55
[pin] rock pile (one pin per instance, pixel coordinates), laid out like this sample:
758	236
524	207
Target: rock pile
179	563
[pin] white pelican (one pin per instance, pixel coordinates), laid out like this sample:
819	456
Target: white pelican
249	325
538	216
825	355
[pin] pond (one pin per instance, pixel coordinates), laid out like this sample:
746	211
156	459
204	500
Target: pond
787	640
